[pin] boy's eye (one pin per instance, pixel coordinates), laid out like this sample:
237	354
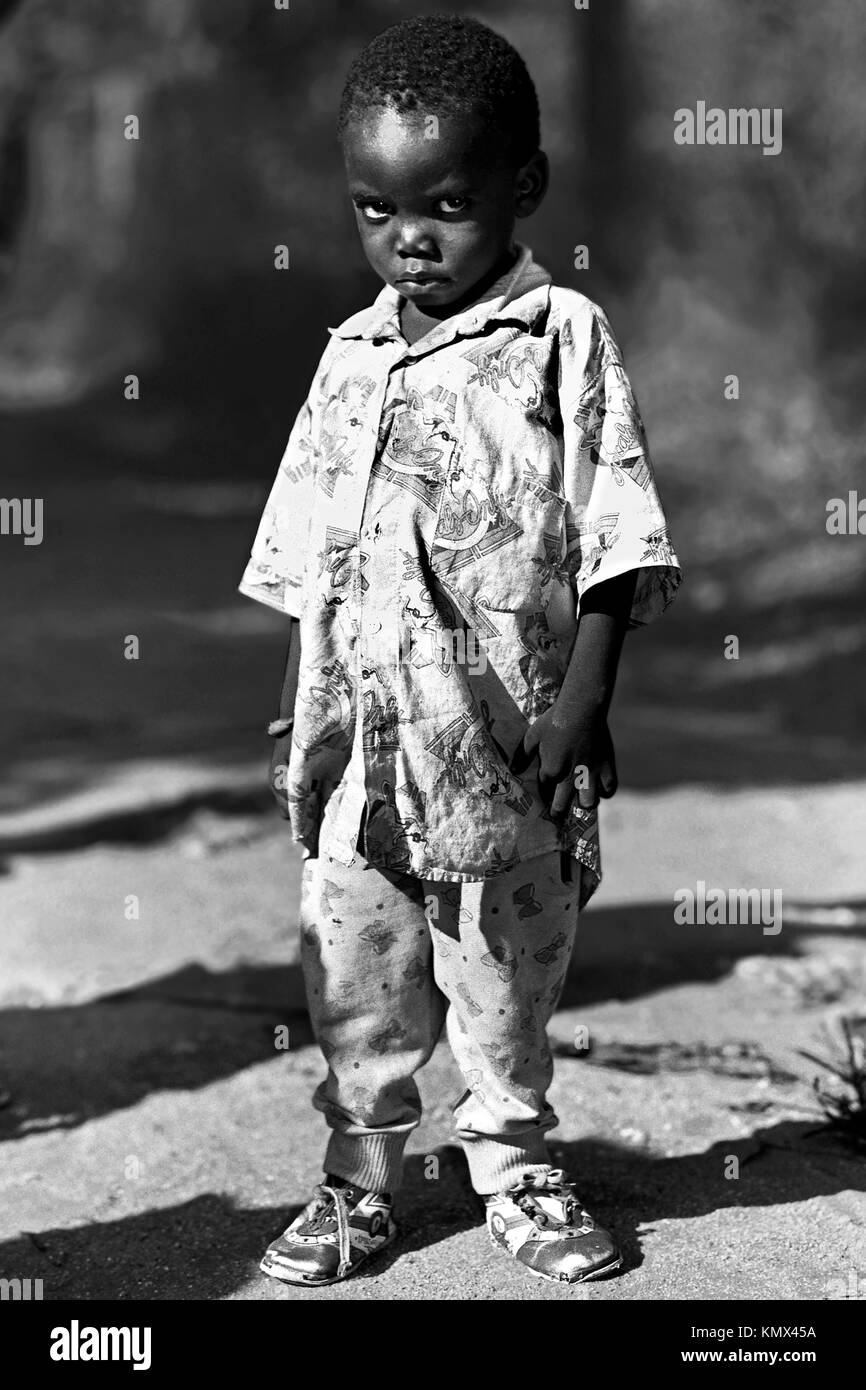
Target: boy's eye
372	211
455	198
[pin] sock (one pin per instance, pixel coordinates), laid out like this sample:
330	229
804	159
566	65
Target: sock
356	1192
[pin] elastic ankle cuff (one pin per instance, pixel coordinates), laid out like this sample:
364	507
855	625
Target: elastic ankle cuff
371	1161
496	1164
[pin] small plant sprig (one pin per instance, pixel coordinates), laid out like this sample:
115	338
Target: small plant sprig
842	1095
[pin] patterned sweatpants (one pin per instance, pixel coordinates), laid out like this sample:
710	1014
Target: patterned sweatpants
387	959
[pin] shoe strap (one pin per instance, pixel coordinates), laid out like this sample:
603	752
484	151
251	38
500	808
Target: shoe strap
552	1183
338	1196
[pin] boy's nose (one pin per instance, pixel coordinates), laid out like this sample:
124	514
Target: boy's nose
414	239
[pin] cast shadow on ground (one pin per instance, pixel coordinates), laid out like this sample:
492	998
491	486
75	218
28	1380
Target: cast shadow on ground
65	1065
208	1248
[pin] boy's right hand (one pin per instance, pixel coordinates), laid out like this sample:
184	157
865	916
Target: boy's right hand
279	774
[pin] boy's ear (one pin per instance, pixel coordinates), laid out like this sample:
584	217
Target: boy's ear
531	184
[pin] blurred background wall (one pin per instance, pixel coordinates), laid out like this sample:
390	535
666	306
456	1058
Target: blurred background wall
155	257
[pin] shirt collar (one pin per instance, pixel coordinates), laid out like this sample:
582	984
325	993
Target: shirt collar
513	296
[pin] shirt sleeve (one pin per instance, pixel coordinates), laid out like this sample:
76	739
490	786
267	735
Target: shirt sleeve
275	570
614	518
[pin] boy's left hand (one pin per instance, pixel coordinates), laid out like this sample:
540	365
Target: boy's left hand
564	744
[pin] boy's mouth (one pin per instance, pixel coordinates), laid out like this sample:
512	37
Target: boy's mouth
422	278
425	289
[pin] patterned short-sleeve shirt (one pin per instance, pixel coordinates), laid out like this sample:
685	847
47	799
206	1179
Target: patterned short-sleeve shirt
439	511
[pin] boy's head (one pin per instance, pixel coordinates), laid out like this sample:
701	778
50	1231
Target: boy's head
440	135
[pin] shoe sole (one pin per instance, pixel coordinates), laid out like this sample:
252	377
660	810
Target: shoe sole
584	1278
288	1276
580	1278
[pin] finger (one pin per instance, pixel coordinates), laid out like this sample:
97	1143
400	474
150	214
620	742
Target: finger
562	797
546	789
587	797
522	756
607	778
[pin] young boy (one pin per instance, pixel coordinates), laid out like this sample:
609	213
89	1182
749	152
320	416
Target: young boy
467	478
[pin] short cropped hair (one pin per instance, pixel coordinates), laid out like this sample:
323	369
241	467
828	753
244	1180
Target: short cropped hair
451	64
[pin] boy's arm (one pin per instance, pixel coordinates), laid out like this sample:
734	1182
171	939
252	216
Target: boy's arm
573	732
283	744
619	556
290	677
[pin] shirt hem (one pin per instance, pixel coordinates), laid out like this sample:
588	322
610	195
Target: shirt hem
339	850
260	594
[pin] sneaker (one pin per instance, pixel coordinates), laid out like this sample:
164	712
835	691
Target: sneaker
540	1222
341	1228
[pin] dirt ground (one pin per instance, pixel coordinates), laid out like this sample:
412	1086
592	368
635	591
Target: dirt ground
155	1140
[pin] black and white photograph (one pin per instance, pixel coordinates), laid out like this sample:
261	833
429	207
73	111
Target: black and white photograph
433	529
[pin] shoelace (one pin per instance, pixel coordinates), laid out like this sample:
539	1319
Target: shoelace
553	1183
334	1197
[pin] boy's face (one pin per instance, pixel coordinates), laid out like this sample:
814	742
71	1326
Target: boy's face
436	215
